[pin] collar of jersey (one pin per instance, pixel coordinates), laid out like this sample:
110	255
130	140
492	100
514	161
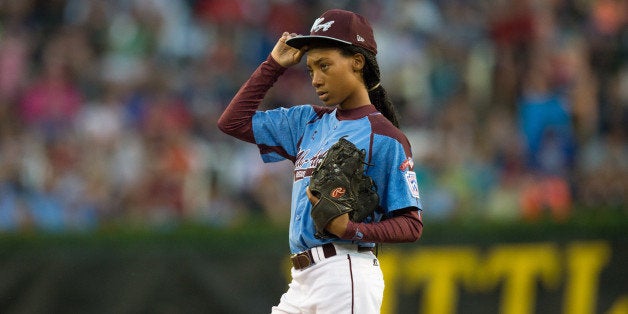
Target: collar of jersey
355	113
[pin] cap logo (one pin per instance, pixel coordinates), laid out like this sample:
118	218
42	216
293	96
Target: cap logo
318	26
359	38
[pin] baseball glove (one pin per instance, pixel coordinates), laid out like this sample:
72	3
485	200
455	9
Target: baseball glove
342	187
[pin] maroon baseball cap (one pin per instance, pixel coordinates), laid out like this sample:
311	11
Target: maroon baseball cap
341	27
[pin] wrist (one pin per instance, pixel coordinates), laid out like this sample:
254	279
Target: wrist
338	225
352	232
274	63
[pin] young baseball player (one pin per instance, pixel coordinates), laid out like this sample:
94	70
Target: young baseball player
339	273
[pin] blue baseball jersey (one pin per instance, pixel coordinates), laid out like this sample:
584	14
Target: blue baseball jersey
304	133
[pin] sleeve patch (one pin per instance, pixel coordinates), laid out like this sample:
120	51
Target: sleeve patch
413	185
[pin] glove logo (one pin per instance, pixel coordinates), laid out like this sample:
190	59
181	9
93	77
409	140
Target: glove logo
338	192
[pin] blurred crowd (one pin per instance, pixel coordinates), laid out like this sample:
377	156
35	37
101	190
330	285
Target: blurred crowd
516	110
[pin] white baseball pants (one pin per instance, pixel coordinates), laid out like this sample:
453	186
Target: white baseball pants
349	282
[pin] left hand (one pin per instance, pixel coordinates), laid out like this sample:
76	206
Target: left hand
336	226
285	55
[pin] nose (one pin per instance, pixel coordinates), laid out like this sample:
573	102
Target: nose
316	80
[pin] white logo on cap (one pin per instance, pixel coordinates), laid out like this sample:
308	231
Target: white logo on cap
359	38
318	26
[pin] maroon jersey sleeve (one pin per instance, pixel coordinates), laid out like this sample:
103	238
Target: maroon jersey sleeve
237	118
406	227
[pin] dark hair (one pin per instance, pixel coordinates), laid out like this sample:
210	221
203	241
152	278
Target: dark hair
371	75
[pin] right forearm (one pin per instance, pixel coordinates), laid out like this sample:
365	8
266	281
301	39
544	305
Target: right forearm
405	227
236	120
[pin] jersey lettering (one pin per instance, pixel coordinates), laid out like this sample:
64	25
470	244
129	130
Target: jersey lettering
301	159
304	166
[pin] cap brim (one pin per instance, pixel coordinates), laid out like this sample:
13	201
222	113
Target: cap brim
312	40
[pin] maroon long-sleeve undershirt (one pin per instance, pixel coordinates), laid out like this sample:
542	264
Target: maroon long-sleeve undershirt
406	227
236	121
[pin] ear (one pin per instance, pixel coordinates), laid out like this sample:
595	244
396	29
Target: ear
358	62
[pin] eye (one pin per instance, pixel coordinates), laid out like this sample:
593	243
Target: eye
324	66
310	72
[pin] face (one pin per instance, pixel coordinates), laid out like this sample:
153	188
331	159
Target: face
336	78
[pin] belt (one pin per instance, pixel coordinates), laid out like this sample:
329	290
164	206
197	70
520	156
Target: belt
309	257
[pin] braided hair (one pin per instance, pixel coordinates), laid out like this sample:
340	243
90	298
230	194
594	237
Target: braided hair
371	76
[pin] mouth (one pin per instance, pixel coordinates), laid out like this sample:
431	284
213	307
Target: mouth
322	95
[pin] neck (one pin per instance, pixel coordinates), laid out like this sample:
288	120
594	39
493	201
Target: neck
359	99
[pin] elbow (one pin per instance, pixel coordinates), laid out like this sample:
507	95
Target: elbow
417	231
415	226
222	124
412	231
237	129
229	127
